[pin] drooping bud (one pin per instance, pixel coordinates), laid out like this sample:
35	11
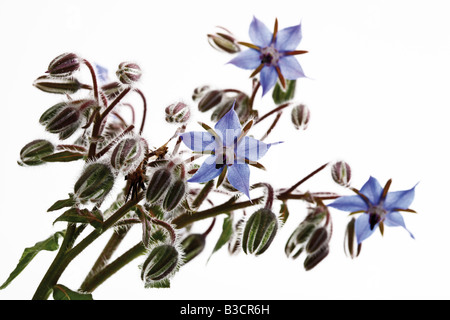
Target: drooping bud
210	100
33	152
300	116
351	246
128	72
296	243
64	65
199	92
159	183
160	263
318	239
341	173
112	89
51	112
177	112
259	232
128	153
224	42
57	85
315	258
95	183
174	194
192	246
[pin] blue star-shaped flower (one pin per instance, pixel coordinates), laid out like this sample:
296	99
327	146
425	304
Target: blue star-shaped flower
379	207
230	151
272	54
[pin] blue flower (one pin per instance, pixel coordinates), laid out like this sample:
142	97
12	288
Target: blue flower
230	151
379	207
272	54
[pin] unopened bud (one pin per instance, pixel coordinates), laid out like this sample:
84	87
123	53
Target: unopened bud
210	100
33	152
192	246
199	92
174	195
341	173
128	153
64	65
223	42
160	263
50	113
318	239
95	183
315	258
159	183
259	232
178	113
57	85
112	89
129	72
296	243
351	246
300	116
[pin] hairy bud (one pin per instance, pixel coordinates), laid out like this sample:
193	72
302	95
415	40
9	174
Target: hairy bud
95	183
64	65
300	116
128	153
159	183
259	232
210	100
128	72
341	173
174	195
33	152
314	259
224	42
178	113
192	246
112	89
351	246
199	92
160	263
57	85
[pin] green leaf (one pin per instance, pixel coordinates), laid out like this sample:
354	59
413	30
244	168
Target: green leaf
62	203
227	231
75	215
61	292
51	244
63	156
280	96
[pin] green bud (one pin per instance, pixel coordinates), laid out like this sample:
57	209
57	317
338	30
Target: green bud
57	85
159	183
297	241
174	195
50	113
160	263
223	42
33	152
95	183
341	173
259	232
192	246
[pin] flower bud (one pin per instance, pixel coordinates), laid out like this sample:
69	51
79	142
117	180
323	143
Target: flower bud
351	246
177	112
174	195
259	232
64	65
159	183
95	182
210	100
234	244
223	42
33	152
300	116
57	85
112	89
199	92
192	246
318	239
128	153
128	72
341	173
50	113
296	243
315	258
160	263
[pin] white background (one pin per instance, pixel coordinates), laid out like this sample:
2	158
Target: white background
378	90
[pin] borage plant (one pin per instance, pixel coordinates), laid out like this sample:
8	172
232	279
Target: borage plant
166	190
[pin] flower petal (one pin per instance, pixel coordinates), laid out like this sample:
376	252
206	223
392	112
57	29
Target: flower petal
239	177
251	149
289	38
349	204
229	127
372	190
198	141
207	171
362	228
399	199
395	219
290	68
248	59
259	33
268	78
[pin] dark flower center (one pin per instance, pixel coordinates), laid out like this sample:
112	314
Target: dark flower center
269	56
376	214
